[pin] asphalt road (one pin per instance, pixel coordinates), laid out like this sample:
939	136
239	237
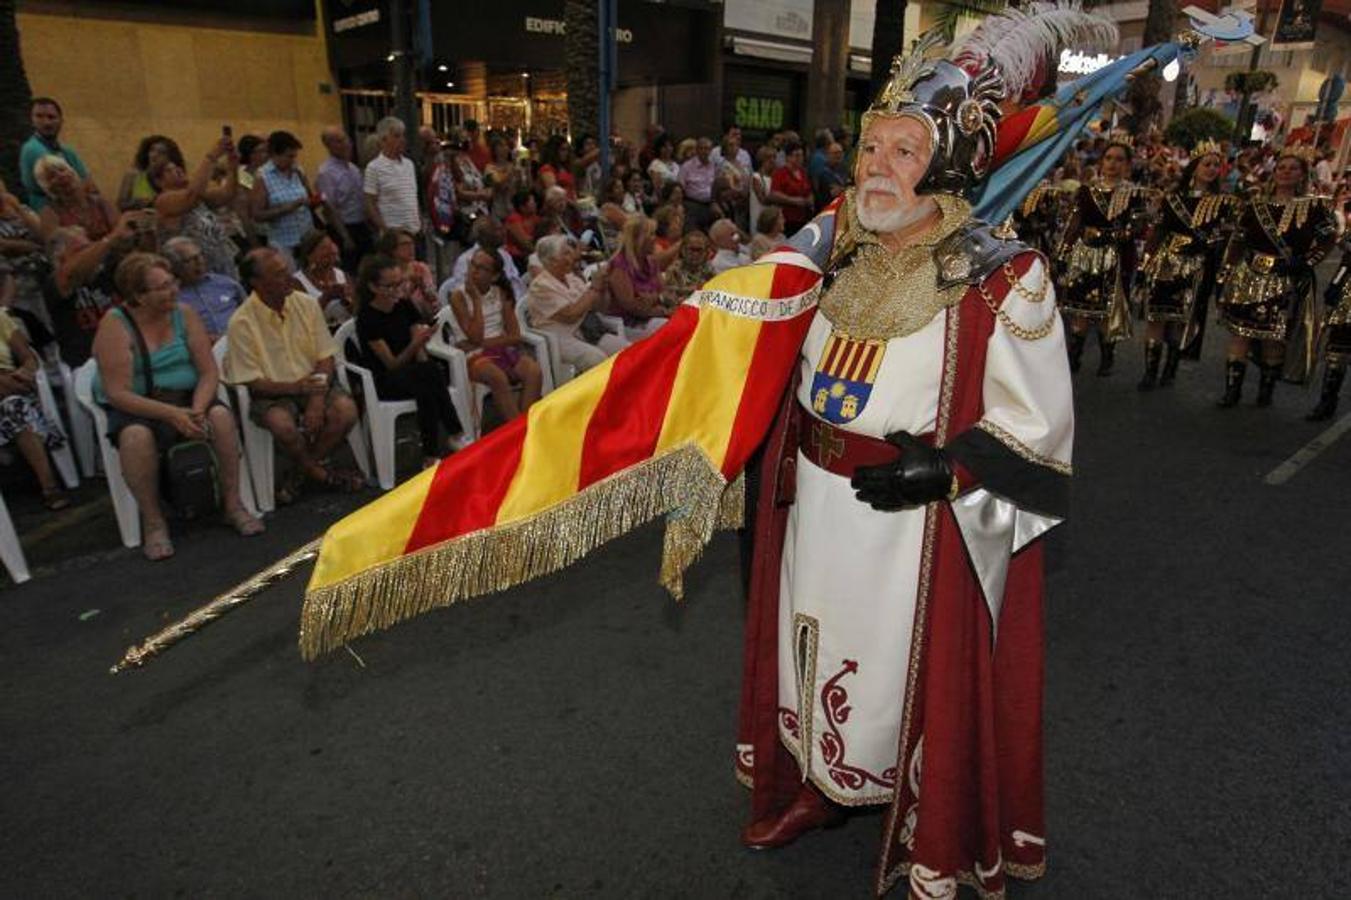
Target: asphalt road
573	738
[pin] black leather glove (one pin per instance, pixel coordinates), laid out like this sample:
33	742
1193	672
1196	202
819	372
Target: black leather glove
920	476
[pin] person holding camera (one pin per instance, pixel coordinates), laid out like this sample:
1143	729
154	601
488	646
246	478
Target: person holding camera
157	379
559	300
184	205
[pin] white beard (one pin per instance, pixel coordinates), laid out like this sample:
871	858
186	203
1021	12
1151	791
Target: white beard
895	219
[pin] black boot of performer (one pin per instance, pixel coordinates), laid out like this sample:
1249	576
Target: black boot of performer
1233	383
1333	376
1075	344
1171	355
1107	355
1267	385
1153	356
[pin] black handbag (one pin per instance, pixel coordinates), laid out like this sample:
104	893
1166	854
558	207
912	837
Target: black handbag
188	473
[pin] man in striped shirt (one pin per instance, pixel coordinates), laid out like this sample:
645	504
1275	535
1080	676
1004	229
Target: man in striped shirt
391	182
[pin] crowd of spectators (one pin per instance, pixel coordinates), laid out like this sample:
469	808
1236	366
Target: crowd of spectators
476	235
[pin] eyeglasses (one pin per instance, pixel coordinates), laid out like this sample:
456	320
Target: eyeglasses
387	286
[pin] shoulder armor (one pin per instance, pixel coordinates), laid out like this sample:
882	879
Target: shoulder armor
973	251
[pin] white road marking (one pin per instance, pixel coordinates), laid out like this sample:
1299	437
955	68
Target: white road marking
1287	470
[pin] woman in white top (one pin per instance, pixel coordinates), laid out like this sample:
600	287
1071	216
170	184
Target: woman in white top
663	167
485	313
760	181
317	274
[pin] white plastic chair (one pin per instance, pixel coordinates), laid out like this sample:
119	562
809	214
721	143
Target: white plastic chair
82	434
468	395
62	456
259	452
11	552
124	504
543	354
562	372
380	415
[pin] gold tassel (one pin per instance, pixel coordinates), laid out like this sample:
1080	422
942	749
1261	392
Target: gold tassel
682	484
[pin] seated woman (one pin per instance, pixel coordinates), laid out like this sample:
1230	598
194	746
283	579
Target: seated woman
70	200
317	274
393	340
559	301
418	284
613	212
176	402
520	227
22	423
635	279
670	227
690	271
486	315
769	227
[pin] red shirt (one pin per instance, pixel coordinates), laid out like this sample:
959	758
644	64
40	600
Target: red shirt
527	224
792	183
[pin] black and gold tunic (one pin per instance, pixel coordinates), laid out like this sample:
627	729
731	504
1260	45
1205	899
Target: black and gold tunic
1188	238
1098	251
1268	268
1337	326
1038	216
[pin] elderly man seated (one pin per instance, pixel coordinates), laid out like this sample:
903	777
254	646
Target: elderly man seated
281	350
212	296
726	240
558	301
489	236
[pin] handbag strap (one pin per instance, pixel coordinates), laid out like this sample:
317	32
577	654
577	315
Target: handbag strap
143	350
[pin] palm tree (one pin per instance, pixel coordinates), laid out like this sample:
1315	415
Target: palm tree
1143	94
15	95
581	58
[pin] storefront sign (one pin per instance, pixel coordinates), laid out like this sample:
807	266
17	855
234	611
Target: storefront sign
758	113
760	101
1077	62
347	23
1296	24
660	42
780	18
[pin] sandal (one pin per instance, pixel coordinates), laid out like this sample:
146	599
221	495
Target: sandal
157	546
288	491
344	481
55	499
244	522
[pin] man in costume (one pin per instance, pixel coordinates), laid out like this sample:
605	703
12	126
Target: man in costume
896	580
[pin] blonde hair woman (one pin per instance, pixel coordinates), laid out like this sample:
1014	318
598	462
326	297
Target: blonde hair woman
635	277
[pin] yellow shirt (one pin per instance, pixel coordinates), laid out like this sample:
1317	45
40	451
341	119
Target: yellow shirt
7	328
272	347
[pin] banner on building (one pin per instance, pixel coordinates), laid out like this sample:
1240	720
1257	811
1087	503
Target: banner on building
1296	24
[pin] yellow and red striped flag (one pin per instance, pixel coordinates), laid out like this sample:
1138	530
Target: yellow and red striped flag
662	428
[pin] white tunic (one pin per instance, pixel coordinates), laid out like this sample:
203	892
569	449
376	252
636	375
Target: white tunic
849	574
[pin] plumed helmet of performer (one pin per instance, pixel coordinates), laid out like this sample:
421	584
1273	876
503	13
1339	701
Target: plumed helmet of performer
957	99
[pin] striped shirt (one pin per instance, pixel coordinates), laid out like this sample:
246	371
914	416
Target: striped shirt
393	184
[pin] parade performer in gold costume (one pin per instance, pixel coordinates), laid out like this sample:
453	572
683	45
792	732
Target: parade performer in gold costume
1097	255
1336	338
1282	233
1192	224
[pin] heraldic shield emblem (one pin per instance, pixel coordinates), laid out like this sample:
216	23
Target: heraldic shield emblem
844	378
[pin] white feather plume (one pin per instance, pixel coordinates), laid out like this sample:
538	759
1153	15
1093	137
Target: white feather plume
1020	40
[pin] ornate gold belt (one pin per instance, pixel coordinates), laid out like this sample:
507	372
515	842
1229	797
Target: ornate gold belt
1262	263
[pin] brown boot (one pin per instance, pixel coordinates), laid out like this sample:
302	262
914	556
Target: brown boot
808	812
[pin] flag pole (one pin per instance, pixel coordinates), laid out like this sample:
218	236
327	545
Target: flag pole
237	596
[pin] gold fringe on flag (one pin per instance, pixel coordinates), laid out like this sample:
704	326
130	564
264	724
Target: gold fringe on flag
682	484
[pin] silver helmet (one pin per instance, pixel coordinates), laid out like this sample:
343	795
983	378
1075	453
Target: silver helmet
958	99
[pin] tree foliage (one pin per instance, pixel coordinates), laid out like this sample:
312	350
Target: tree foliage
581	54
1258	81
1195	125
